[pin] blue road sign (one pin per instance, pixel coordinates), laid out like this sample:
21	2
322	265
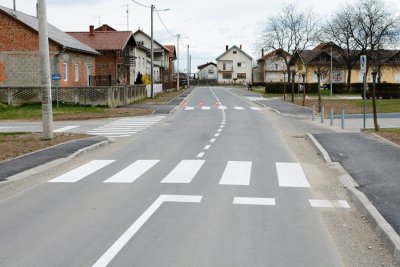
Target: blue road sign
56	76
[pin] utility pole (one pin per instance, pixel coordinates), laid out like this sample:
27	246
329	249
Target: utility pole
187	66
331	76
152	56
47	112
177	63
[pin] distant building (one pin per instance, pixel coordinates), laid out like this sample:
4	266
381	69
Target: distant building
207	71
172	58
117	60
234	66
272	67
19	53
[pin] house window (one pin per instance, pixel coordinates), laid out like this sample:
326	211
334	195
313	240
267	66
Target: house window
241	75
239	64
223	66
65	72
76	72
89	74
210	70
226	76
235	52
276	66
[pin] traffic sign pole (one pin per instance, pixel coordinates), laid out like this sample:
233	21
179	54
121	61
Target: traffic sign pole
363	70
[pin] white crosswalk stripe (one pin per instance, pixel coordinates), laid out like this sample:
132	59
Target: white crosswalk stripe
220	107
184	172
236	173
132	172
291	175
126	127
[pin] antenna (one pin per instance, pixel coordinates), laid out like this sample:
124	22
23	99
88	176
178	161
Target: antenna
99	18
127	16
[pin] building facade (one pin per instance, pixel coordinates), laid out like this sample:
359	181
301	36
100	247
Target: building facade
19	53
234	66
271	67
207	71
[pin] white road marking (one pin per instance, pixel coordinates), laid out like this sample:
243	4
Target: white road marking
207	147
201	154
319	203
119	136
189	108
216	135
184	172
236	173
213	140
223	123
291	175
81	172
222	107
219	130
255	108
254	201
132	172
66	128
112	133
239	108
205	108
118	245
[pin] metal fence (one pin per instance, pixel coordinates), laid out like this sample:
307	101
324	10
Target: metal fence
111	96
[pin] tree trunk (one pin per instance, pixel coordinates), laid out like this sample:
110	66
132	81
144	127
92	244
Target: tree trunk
304	92
293	75
374	102
348	85
319	92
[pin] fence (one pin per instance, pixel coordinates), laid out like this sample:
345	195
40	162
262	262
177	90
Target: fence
113	96
157	89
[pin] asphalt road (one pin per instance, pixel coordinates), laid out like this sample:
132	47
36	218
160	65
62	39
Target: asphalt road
212	184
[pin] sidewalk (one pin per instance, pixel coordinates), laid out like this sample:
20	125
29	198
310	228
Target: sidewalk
372	162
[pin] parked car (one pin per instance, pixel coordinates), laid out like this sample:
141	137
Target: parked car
326	86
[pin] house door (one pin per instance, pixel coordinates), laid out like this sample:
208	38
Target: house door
89	74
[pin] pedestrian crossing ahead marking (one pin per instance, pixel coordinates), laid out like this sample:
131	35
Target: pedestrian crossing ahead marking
126	127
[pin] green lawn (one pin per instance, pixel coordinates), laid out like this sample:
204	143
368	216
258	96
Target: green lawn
34	111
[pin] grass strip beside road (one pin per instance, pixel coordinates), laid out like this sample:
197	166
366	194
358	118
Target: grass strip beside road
391	134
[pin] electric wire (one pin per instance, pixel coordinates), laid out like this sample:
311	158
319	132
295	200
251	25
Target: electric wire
165	27
141	4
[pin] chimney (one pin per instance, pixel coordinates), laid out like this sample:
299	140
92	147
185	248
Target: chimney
240	47
262	52
91	29
226	48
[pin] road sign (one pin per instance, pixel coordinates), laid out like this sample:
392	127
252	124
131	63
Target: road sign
363	64
56	76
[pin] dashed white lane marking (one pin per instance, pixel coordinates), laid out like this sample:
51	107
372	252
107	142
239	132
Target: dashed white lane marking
207	147
66	128
201	154
255	108
132	172
184	172
81	172
118	245
213	140
236	173
219	130
254	201
189	108
319	203
223	123
239	108
291	175
205	108
216	135
222	107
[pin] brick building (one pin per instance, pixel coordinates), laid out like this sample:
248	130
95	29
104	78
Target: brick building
114	65
19	53
172	58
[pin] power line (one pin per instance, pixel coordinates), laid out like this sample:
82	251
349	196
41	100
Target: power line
165	27
141	4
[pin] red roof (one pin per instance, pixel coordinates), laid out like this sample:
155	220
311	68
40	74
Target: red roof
172	53
105	40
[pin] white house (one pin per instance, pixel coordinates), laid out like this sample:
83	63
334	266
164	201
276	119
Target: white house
207	71
234	66
141	64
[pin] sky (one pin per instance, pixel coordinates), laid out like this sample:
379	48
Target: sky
206	26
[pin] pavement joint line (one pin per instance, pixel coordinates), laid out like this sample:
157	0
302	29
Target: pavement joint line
120	243
378	223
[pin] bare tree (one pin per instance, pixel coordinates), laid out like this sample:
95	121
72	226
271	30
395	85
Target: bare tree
289	31
338	31
376	27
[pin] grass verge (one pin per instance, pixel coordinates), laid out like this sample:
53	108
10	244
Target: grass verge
391	134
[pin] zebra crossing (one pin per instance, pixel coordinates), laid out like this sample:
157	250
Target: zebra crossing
220	107
235	173
126	127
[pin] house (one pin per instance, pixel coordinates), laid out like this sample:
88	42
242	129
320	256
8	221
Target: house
172	58
161	56
234	66
207	71
114	65
271	67
308	61
19	53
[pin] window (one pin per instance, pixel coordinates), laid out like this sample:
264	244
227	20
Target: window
239	64
223	66
235	52
89	74
227	76
276	66
241	75
65	72
210	70
76	72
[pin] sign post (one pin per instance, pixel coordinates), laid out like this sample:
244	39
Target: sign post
56	77
363	70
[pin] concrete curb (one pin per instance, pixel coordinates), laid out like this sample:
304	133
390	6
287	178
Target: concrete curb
384	230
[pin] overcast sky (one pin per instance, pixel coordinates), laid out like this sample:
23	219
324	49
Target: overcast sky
205	25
